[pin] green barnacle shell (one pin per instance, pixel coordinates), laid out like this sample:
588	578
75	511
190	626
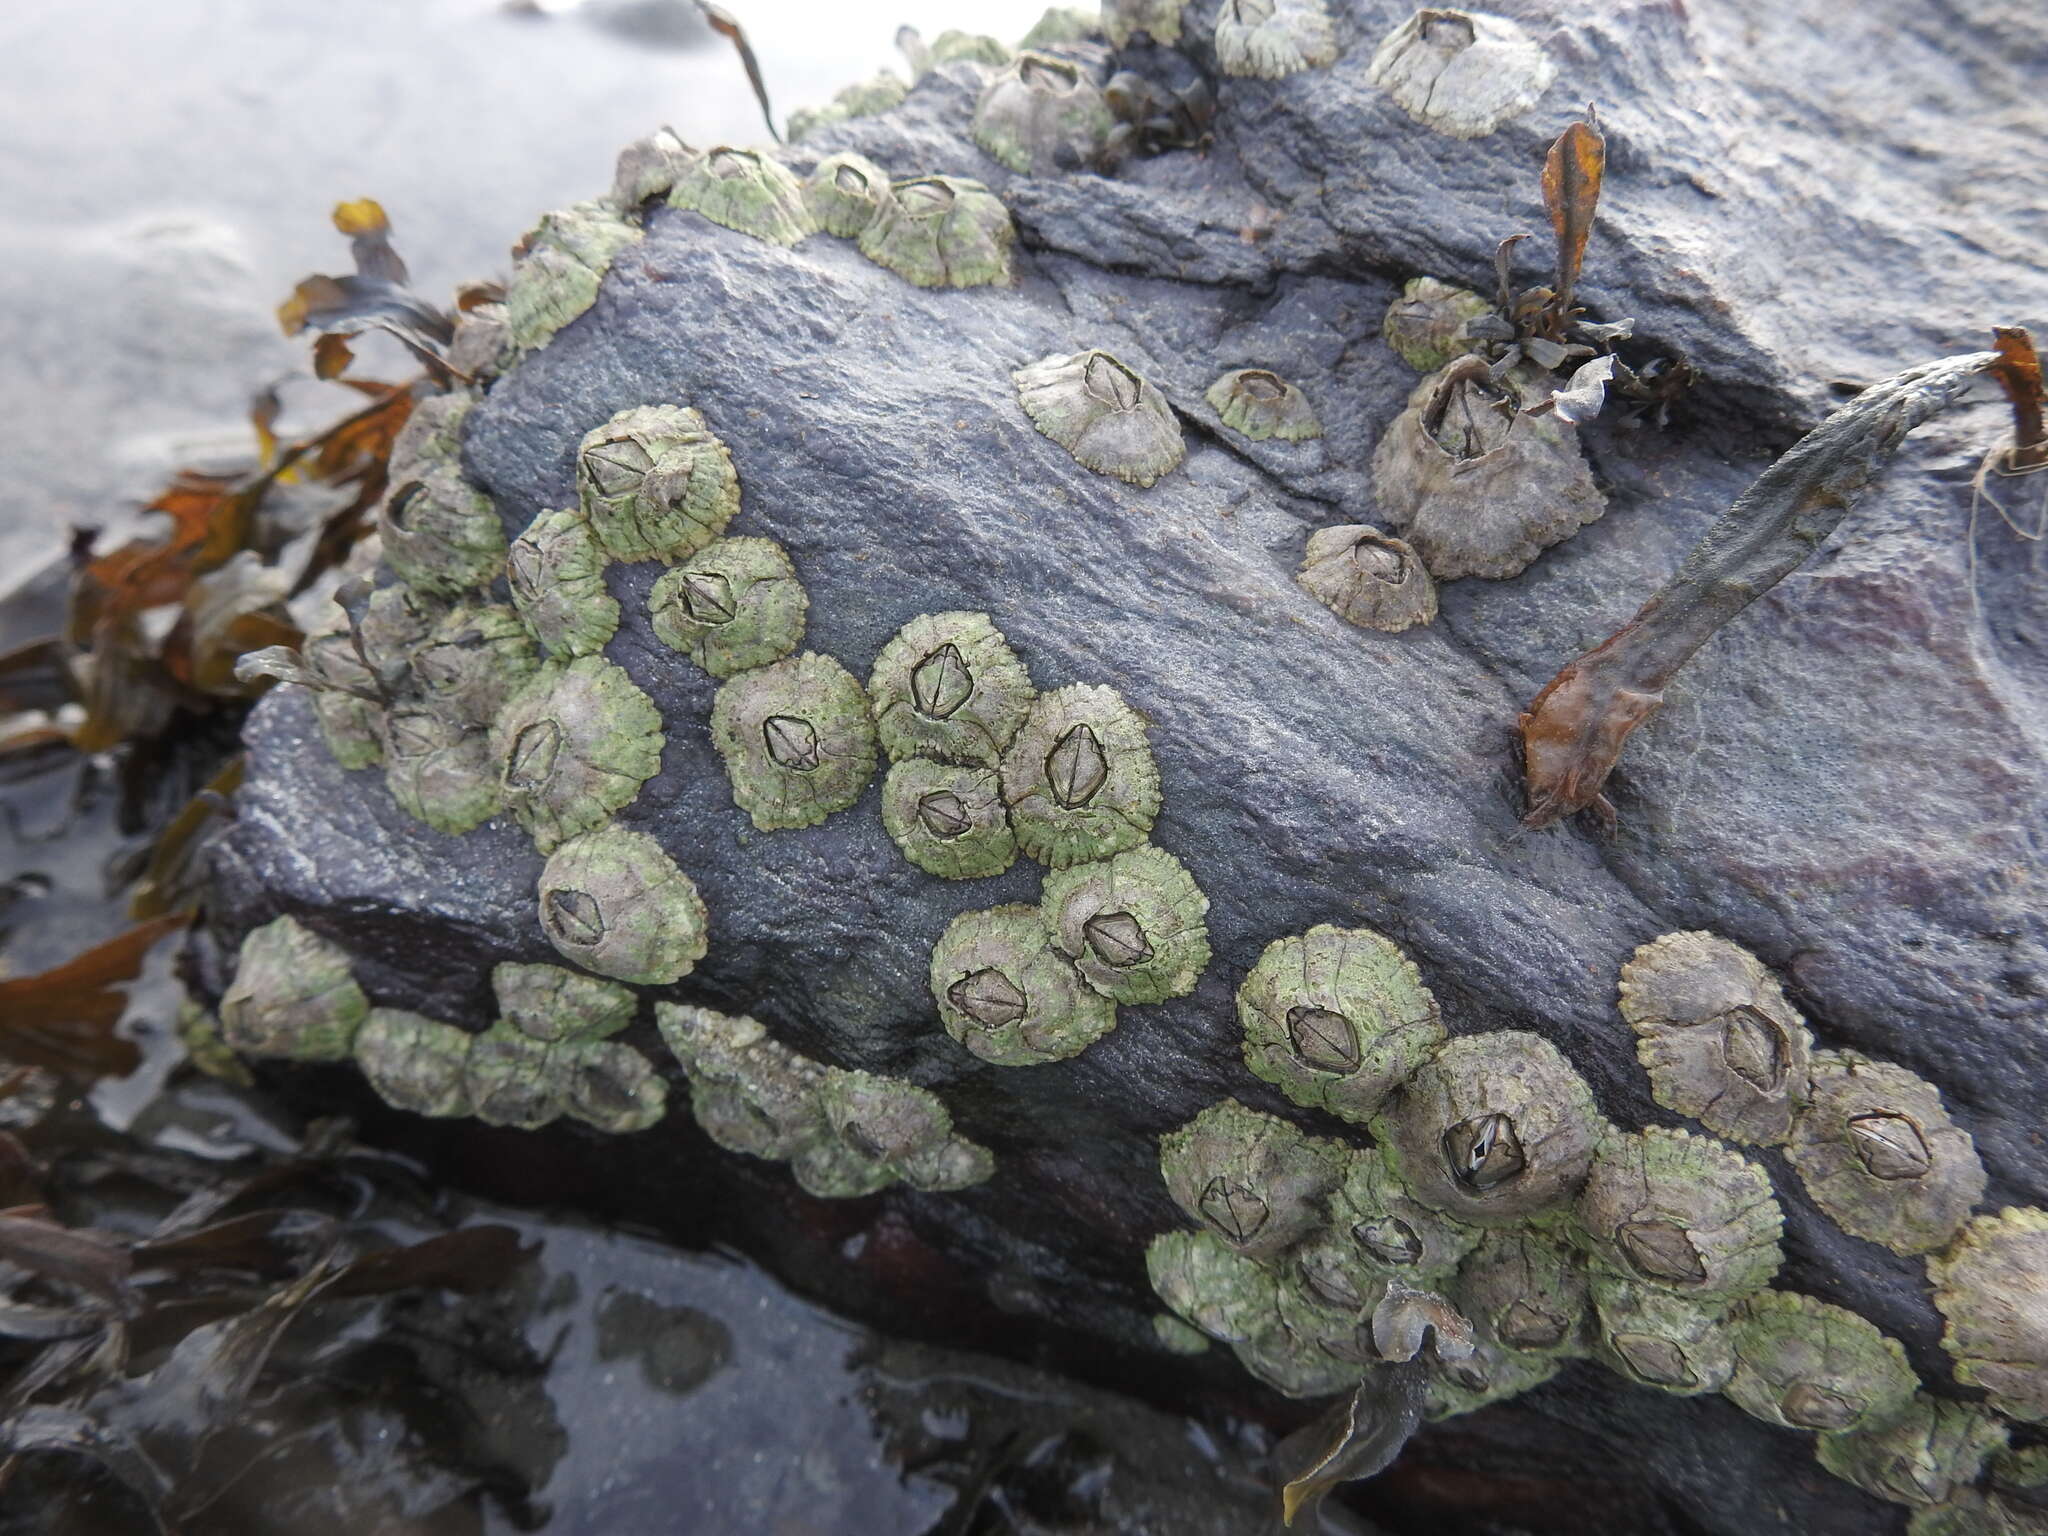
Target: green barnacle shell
1367	578
440	533
1079	777
1272	39
561	262
432	435
749	1093
1879	1154
396	622
1176	1337
1007	995
414	1063
1929	1452
614	903
656	483
1224	1293
439	771
555	572
1991	1284
1526	1292
733	605
547	1003
956	1163
1132	924
473	660
902	1128
1042	114
864	98
199	1032
1426	324
947	685
1336	1018
1461	73
746	191
1975	1512
513	1079
1124	19
352	726
948	820
953	46
1111	420
574	745
1681	1212
845	192
797	740
1658	1339
1378	1233
1719	1040
1255	1180
1492	1373
292	995
1308	1348
1061	25
1260	405
1497	1128
1805	1364
941	232
648	167
608	1085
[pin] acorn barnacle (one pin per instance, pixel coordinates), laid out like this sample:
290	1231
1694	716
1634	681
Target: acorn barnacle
745	191
614	903
1880	1155
845	192
648	167
1220	1290
1377	1233
1079	777
512	1079
1367	579
1426	324
352	725
1255	1180
1007	995
749	1093
1681	1212
396	622
1041	114
797	740
1124	19
573	746
1719	1040
1805	1364
941	232
1526	1290
1307	1348
1271	39
608	1085
1992	1286
1336	1018
903	1129
440	533
947	685
439	771
948	819
864	98
474	659
559	266
432	435
1260	405
1463	73
1978	1512
1111	420
733	605
293	995
1132	924
1491	1373
656	483
1932	1449
1658	1339
555	572
414	1063
547	1003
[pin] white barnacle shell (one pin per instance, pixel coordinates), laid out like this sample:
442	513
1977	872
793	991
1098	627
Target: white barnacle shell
746	191
797	740
1007	995
1367	578
1079	778
948	686
614	903
1271	39
1214	1286
1991	1285
1124	19
750	1093
1681	1212
440	533
474	658
1463	73
1526	1290
1041	114
608	1085
1132	923
1255	1180
648	167
1112	420
512	1079
1807	1364
1426	324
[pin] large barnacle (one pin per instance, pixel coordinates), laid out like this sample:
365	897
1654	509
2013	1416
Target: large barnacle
1124	19
1426	324
1007	995
948	819
1992	1287
845	192
797	740
293	995
656	483
440	533
614	903
733	605
941	232
1463	73
1367	579
1253	1179
1806	1364
1377	1233
1041	114
474	659
414	1063
745	190
1260	405
1659	1339
1271	39
900	1131
648	167
1079	777
947	685
547	1003
555	571
573	746
1214	1286
439	771
864	98
1682	1212
1111	420
560	263
1525	1290
1132	923
1932	1449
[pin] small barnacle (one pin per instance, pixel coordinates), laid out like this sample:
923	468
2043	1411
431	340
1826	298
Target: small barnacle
1379	1233
474	659
608	1085
574	745
953	46
1271	39
560	263
199	1033
1132	923
350	724
1879	1154
1658	1339
1474	481
1463	73
1525	1291
656	483
1079	777
513	1079
1225	1293
1491	1373
414	1063
648	167
1007	995
864	98
746	191
1719	1040
1805	1364
1110	419
432	435
396	622
1262	405
1254	1179
1682	1212
941	232
947	819
903	1128
1992	1286
1306	1347
1124	19
1041	114
947	685
439	771
955	1163
733	605
441	534
1176	1337
1932	1449
614	903
1367	579
1336	1018
292	995
556	575
547	1003
845	192
1426	324
1495	1129
1061	25
482	347
797	740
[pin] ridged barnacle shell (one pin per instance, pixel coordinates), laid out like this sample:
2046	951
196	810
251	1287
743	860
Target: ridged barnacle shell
351	725
733	605
1658	1339
608	1085
941	232
1124	19
1426	324
1978	1512
1007	995
864	98
797	740
1041	114
1805	1364
1719	1040
1527	1291
903	1129
560	263
1111	420
749	1093
548	1003
648	167
948	819
414	1063
574	745
512	1079
1255	1180
614	903
441	534
438	770
555	572
1223	1292
1681	1212
1879	1154
1463	73
1061	25
1079	777
396	622
1377	1233
432	435
1336	1018
1132	924
1260	404
746	191
293	995
1932	1449
474	659
1308	1348
1478	485
1271	39
845	192
1495	1129
1992	1286
1367	578
656	483
1492	1373
947	685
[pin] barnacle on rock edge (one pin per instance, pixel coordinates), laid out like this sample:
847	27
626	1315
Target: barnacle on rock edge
948	686
1109	418
941	232
746	191
648	167
475	658
1659	1339
555	572
1007	995
1132	924
549	1003
614	903
440	533
1526	1290
438	771
1260	404
560	264
1935	1447
1991	1285
414	1063
845	192
797	740
1079	777
1041	114
293	995
1426	324
948	819
1124	19
1271	39
1255	1180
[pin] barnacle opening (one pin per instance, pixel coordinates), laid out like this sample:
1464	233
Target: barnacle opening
989	998
1484	1152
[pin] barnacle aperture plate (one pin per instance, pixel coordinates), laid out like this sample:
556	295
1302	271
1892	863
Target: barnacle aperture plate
414	1063
746	191
1041	114
555	571
1463	73
1426	324
941	232
1007	995
948	686
1255	1180
440	533
1271	39
614	903
1079	777
1935	1447
1133	924
573	746
293	995
1108	417
948	819
656	483
1260	404
1991	1284
1807	1364
1367	578
733	605
844	192
797	740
